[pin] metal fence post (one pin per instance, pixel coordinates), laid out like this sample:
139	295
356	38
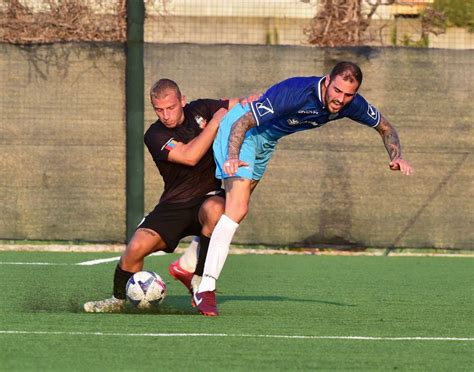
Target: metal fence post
134	88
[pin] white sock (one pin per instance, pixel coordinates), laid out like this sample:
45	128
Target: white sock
188	260
195	282
218	250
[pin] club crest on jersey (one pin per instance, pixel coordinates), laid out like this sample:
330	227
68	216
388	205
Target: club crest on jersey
264	108
201	121
372	112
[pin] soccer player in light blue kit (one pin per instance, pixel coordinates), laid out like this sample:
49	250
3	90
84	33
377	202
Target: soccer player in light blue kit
248	136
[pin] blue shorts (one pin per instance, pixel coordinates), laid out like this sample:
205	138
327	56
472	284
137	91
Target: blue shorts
256	150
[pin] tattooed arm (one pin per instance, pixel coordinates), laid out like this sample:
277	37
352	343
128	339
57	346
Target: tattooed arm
236	138
237	133
392	144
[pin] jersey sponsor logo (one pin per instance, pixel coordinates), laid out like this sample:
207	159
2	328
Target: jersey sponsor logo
264	108
293	122
200	121
169	145
333	116
372	112
308	112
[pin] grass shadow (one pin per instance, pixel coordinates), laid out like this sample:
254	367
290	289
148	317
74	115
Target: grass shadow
222	299
173	305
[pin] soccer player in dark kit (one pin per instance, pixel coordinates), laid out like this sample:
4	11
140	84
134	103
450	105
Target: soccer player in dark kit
192	201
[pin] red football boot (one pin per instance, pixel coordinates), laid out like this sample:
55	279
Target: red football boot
206	303
185	277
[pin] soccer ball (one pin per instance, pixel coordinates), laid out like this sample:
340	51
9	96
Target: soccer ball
145	290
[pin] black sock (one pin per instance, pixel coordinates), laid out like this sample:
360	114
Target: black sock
203	247
120	282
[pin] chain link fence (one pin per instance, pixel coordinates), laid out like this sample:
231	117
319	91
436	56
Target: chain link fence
409	23
62	115
422	23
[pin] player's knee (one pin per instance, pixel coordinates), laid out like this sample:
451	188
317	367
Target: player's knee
136	251
133	252
237	211
211	211
242	212
213	208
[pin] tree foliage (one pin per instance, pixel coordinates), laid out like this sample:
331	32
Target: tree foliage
341	22
62	20
458	13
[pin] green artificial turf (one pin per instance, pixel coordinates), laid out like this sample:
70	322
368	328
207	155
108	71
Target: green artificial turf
277	313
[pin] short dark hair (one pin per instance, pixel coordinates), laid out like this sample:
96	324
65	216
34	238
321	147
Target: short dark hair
162	85
349	71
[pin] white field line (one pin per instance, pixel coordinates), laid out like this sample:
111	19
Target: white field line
111	259
362	338
322	251
34	263
98	262
85	263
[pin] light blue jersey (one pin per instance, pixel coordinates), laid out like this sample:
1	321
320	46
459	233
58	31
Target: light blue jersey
293	105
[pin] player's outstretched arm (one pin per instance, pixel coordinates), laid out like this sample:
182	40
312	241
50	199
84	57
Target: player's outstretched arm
236	138
392	144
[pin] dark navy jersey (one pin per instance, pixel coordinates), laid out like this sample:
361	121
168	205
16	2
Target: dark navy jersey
296	104
182	182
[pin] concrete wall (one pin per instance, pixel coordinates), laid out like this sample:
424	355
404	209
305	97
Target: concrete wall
62	145
332	185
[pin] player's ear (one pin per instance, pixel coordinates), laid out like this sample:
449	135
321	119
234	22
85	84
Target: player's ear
183	101
327	80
